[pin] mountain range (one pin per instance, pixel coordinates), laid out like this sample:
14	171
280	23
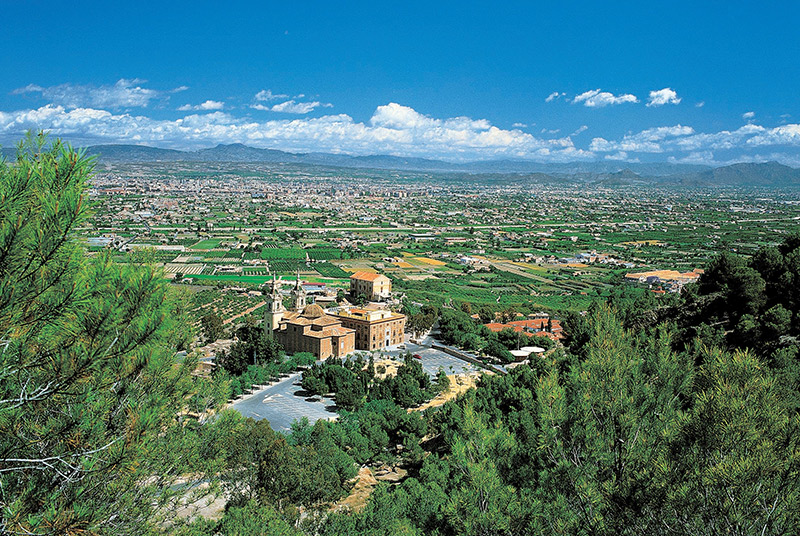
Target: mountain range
238	152
768	174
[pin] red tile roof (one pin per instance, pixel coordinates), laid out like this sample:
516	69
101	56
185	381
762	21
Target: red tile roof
365	276
532	327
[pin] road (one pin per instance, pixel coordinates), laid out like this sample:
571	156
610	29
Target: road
516	270
532	225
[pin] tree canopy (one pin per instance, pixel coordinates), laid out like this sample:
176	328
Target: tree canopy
90	378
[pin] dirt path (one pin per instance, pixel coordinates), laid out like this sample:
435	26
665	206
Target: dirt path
459	384
365	482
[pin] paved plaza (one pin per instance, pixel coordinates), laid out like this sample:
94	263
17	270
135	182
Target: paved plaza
433	359
282	403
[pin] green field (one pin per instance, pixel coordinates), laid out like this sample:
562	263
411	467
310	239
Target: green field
285	267
255	271
234	278
324	254
259	279
209	243
290	253
330	270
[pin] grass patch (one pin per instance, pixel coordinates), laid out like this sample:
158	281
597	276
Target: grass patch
208	243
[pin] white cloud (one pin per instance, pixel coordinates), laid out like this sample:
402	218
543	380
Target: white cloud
700	104
747	116
598	99
292	107
580	129
30	88
782	135
708	158
519	125
697	157
721	140
392	129
203	106
621	156
663	96
268	95
555	95
701	146
399	117
126	93
646	141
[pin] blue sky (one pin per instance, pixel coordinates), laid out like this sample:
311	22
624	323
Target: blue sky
677	81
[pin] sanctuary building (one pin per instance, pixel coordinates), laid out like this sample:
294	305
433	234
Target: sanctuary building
309	328
305	328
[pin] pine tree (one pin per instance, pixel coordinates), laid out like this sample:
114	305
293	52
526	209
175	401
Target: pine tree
89	383
604	427
734	462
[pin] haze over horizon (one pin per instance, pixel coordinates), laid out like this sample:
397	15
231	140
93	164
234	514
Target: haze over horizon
460	82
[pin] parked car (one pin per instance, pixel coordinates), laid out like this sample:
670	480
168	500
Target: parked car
417	356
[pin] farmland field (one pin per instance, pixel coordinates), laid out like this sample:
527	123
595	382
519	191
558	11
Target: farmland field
524	243
321	254
209	243
284	267
283	253
327	269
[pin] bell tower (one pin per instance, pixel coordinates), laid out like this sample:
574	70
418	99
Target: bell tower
298	296
274	309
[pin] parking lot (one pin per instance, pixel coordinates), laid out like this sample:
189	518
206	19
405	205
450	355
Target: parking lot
433	359
281	404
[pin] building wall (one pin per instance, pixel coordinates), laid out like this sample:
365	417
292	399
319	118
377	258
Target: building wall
381	289
292	339
372	290
343	345
373	335
295	339
272	320
325	350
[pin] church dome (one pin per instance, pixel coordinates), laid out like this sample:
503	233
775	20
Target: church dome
313	311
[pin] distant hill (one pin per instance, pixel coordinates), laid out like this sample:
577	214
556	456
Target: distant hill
767	174
623	177
603	173
135	153
238	152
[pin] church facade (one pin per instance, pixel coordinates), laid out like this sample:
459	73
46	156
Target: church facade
306	328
